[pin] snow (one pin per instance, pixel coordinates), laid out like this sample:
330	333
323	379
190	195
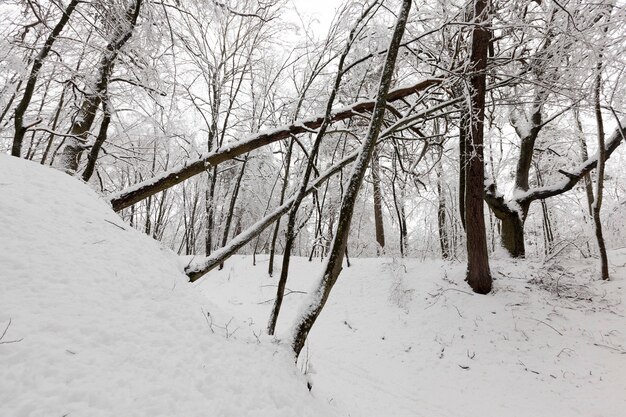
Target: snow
408	338
104	323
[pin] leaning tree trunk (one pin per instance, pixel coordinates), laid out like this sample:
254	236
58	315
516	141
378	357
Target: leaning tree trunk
291	221
478	274
20	129
334	263
79	131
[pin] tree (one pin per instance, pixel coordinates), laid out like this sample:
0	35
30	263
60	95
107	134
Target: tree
478	274
333	266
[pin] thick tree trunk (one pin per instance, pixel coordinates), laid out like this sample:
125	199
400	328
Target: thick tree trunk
478	273
335	259
512	230
97	145
463	161
378	205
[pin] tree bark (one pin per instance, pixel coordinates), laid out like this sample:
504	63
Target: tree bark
334	263
478	273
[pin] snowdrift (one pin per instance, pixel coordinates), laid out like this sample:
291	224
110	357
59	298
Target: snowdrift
99	320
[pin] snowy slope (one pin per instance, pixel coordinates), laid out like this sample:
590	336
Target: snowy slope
103	322
408	338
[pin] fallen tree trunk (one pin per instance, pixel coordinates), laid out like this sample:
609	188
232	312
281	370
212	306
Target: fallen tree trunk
176	175
197	269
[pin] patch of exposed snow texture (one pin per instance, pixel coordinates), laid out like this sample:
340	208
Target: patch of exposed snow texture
104	322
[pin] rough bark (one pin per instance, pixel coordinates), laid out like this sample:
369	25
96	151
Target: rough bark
334	263
20	129
478	273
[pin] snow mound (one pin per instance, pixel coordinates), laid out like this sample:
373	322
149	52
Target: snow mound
99	320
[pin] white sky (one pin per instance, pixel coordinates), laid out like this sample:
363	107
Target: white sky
321	10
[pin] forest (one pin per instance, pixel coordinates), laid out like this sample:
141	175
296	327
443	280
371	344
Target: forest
253	135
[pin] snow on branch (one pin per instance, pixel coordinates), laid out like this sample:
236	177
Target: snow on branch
572	178
180	173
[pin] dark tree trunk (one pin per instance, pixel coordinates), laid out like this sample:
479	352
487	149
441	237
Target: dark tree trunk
20	129
283	191
597	204
478	273
77	143
92	157
444	241
335	257
231	207
378	205
463	161
512	230
176	175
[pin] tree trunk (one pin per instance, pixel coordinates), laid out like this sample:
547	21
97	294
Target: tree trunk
378	205
291	222
513	235
20	129
283	191
478	274
231	207
95	149
335	258
597	204
77	143
200	267
178	174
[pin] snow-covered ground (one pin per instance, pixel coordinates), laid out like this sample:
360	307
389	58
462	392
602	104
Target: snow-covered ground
408	338
104	323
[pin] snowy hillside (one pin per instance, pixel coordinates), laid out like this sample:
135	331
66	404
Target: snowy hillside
98	320
407	338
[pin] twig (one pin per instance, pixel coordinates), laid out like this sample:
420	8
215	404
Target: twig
5	332
541	321
116	225
623	352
